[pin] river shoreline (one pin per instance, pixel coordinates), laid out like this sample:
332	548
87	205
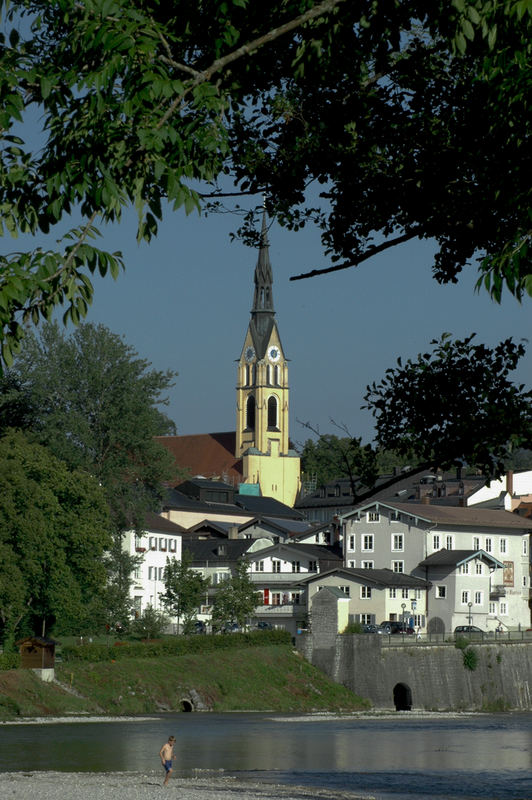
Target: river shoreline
143	786
311	716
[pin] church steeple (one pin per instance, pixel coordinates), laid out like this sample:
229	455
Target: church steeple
262	394
263	297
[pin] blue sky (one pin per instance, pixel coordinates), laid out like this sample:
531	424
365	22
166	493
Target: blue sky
184	302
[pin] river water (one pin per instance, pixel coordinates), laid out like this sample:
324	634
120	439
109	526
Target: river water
402	756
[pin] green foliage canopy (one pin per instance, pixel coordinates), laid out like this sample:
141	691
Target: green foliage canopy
237	598
95	404
184	590
411	119
455	405
54	528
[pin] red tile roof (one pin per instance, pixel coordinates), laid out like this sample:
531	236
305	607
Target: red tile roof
211	455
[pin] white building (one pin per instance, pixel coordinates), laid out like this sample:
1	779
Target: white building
160	540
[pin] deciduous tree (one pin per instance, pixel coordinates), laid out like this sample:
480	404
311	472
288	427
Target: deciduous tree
54	528
454	405
185	588
237	598
410	118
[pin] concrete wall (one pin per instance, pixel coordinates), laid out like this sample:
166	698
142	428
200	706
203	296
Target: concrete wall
434	674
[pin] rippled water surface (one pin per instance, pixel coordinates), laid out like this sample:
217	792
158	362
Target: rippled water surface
400	756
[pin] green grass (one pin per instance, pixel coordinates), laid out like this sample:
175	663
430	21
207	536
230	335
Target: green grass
272	678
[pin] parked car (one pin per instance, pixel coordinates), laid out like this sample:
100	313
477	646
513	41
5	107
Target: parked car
468	629
262	625
371	629
391	627
230	627
199	627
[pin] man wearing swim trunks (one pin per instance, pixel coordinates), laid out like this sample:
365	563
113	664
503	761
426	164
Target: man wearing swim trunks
167	754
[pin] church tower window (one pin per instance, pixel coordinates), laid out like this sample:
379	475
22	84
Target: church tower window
272	413
250	413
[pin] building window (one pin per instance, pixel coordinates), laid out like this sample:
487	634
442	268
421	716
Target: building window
294	598
367	542
163	545
418	620
465	597
488	546
259	566
418	594
463	569
476	543
492	609
449	540
525	547
250	413
346	590
374	516
351	564
398	566
436	541
276	598
153	543
272	413
365	592
397	541
479	568
503	609
404	594
172	545
365	619
276	565
136	573
152	573
393	593
502	546
478	598
161	573
352	543
525	581
441	592
367	564
313	566
296	566
394	516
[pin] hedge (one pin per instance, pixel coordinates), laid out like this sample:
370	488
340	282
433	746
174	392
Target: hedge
176	645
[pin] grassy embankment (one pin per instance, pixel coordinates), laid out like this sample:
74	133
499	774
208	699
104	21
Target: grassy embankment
236	678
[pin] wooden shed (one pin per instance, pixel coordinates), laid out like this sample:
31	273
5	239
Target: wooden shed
37	652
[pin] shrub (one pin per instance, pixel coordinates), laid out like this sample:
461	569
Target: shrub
470	659
353	627
9	661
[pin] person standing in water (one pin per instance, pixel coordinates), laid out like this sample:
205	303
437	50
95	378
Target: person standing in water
167	755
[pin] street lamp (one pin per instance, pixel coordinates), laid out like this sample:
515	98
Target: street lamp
469	607
403	606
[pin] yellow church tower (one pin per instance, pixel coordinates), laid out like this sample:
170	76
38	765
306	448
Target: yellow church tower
262	395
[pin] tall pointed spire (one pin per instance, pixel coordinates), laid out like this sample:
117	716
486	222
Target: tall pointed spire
263	296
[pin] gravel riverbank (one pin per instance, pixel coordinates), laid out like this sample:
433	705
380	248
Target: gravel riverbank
145	786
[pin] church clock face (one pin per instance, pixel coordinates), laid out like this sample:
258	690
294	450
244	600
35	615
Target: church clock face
249	354
274	353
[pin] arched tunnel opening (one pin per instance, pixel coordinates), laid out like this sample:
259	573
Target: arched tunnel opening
402	697
186	705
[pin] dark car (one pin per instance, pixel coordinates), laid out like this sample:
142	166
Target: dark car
230	627
371	629
199	627
394	626
262	625
468	629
